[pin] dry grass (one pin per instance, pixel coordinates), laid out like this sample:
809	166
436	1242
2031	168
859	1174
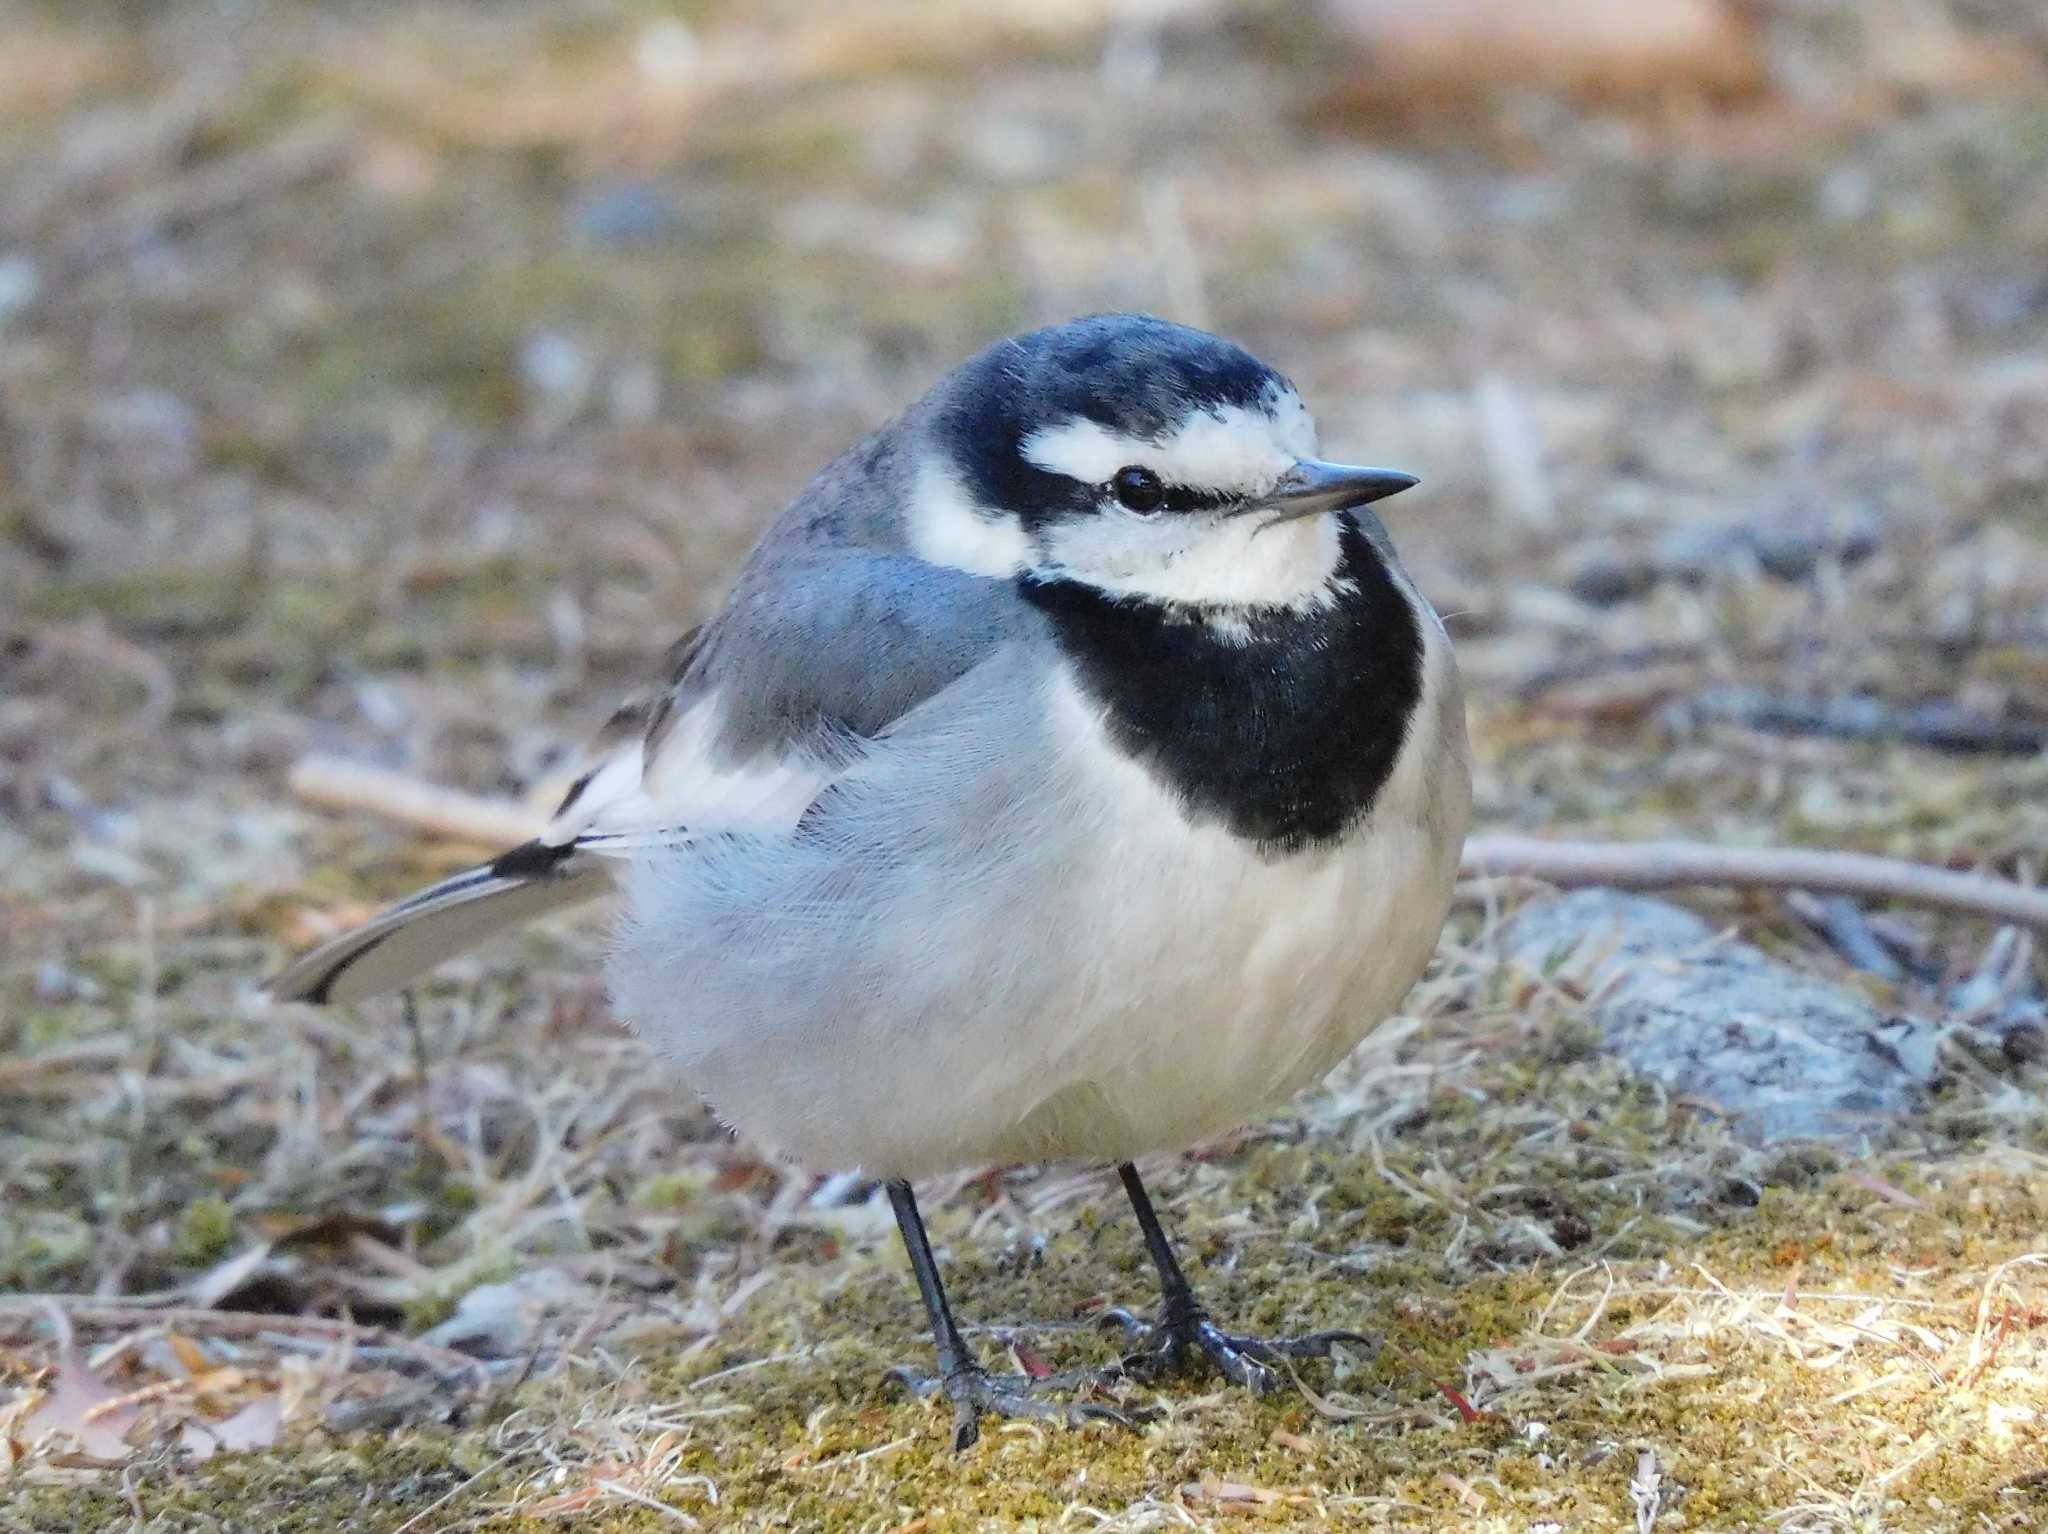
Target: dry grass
400	385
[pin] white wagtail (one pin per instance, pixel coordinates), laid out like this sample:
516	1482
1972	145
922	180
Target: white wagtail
1072	769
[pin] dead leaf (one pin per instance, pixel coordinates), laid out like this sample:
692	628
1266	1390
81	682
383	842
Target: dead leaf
79	1405
1221	1493
190	1358
255	1426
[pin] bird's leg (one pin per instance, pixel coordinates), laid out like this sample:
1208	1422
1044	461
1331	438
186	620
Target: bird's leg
1184	1333
971	1388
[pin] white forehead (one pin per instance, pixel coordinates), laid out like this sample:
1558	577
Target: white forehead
1228	447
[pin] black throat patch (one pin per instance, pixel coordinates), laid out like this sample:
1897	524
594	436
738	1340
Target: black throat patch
1288	737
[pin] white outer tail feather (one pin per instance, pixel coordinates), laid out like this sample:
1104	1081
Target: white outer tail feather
463	910
627	804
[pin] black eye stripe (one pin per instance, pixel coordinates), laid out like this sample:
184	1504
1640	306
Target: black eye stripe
1187	498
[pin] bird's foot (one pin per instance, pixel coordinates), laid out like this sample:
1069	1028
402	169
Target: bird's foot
1184	1337
974	1391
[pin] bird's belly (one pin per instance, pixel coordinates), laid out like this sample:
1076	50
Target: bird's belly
1079	971
1249	979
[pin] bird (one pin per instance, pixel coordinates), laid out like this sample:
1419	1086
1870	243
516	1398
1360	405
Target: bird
1071	771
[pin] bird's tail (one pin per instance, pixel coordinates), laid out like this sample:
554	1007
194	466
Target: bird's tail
443	920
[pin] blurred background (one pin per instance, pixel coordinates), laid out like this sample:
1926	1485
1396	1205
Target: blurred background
395	379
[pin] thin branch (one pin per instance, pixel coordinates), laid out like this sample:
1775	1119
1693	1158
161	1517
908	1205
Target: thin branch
19	1313
338	784
1940	725
1671	865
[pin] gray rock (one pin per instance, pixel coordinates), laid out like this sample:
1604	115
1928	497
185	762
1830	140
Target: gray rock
1783	1053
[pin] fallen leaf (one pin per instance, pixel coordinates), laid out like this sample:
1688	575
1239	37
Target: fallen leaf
1029	1360
1214	1490
79	1404
1465	1408
255	1426
188	1354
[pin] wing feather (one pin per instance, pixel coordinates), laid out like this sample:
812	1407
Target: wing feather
757	713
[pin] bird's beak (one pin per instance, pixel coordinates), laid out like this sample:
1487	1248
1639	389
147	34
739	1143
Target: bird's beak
1313	486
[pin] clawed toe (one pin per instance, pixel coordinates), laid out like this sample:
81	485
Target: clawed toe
1136	1328
974	1391
1177	1343
1310	1345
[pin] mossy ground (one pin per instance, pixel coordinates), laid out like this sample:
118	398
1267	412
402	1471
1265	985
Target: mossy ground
419	442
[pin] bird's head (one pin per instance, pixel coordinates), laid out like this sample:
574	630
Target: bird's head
1142	458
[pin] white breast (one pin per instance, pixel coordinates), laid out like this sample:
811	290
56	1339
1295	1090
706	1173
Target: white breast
1205	980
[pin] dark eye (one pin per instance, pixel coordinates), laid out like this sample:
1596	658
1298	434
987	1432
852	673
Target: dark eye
1138	489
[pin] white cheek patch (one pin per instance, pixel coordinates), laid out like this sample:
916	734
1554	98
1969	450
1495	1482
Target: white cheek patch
1233	449
1202	559
947	528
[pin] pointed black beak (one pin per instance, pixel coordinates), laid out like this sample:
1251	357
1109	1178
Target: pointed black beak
1313	486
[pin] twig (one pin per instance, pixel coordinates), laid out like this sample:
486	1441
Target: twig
1670	865
94	1055
1587	665
1623	865
1942	726
338	784
19	1312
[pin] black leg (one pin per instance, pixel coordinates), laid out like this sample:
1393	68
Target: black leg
1178	1295
953	1355
972	1389
1184	1333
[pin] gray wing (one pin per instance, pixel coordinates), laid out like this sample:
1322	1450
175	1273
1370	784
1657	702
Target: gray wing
847	640
820	647
815	652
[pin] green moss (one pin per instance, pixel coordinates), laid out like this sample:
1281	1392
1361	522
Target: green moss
43	1250
670	1190
205	1231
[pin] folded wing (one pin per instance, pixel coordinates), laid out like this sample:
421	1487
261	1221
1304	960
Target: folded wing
757	713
